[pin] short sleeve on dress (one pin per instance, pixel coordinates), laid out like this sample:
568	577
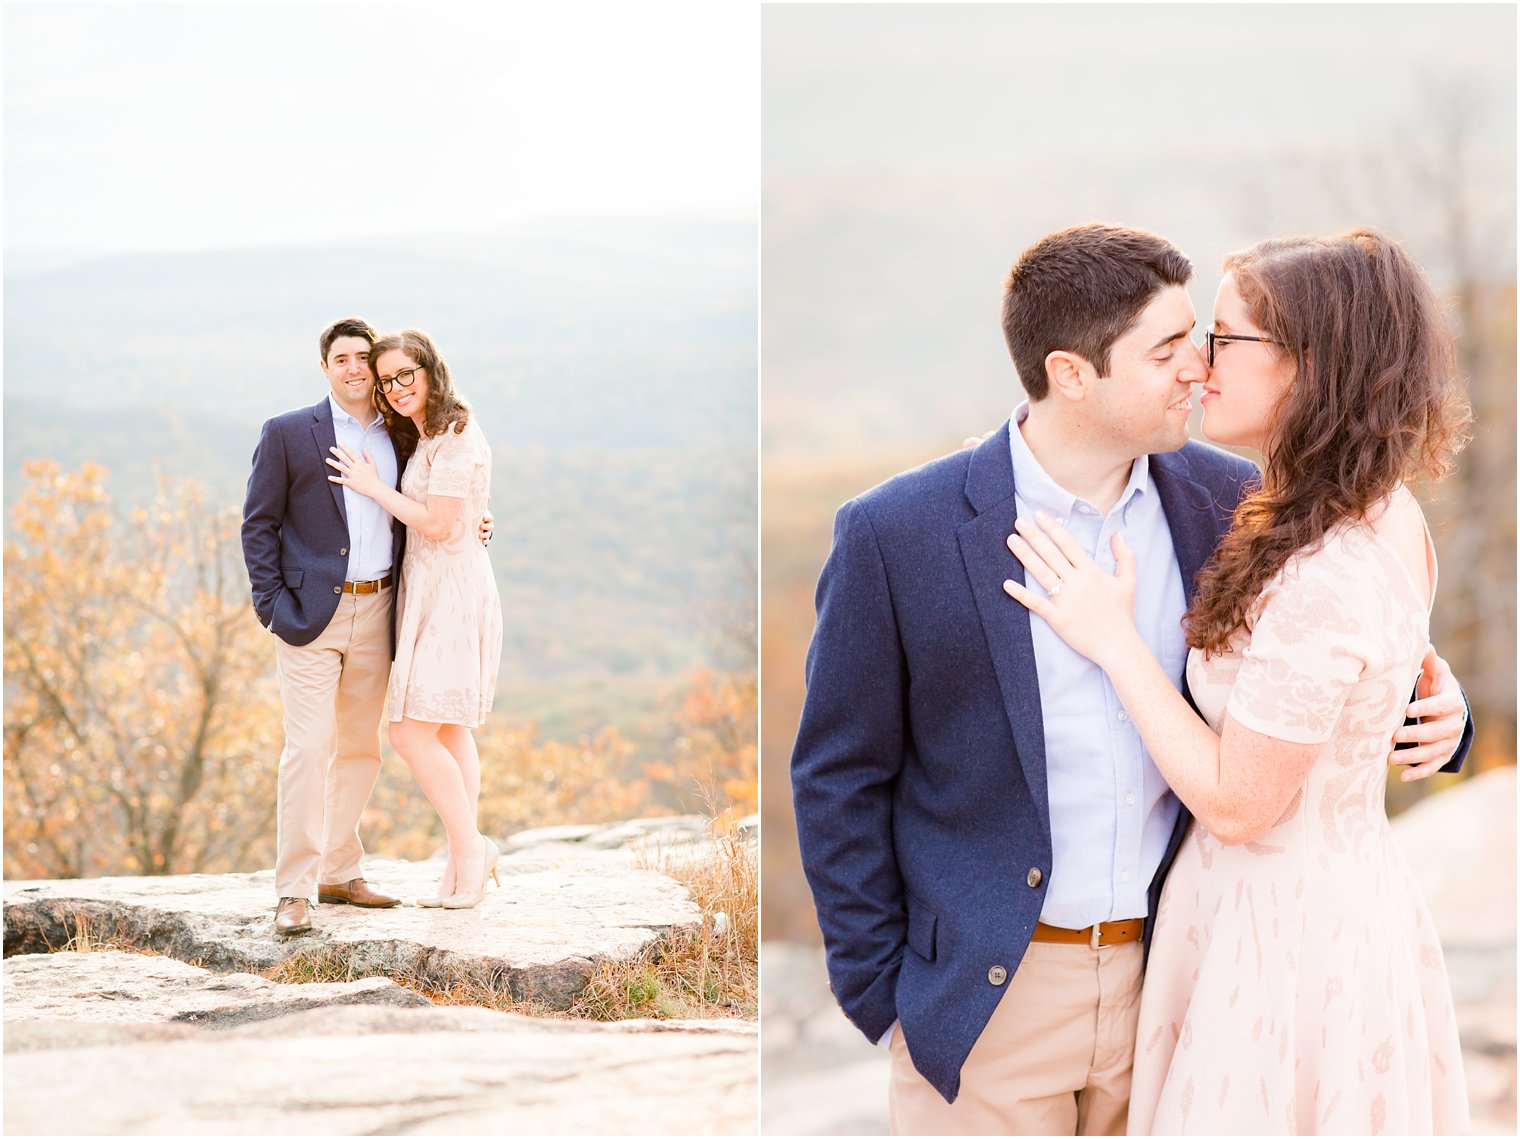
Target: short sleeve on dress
1308	647
454	462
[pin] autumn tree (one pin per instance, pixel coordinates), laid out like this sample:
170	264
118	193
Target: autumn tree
141	724
713	764
712	767
143	728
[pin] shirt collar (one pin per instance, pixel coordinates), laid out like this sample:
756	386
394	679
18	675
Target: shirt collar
1041	492
339	413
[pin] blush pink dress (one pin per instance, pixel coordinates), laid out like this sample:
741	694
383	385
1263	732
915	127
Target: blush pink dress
448	610
1296	984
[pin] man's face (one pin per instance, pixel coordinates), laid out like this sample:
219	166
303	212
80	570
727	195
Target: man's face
1142	405
347	371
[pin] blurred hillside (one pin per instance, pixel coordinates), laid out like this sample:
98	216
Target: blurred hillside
610	361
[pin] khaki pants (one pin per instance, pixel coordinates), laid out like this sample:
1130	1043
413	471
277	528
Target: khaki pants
1055	1059
333	693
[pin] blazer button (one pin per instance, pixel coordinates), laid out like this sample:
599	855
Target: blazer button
339	589
997	974
1034	877
343	553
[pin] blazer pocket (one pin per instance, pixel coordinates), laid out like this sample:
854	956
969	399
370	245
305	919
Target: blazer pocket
292	578
921	930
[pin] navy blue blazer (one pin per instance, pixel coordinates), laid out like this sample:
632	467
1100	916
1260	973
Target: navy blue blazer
295	527
918	773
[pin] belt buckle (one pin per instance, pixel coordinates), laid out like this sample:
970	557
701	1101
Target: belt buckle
1097	934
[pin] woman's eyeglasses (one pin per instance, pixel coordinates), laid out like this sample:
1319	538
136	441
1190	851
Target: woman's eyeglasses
405	377
1210	339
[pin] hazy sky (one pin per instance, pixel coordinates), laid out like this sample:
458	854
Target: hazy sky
188	126
886	87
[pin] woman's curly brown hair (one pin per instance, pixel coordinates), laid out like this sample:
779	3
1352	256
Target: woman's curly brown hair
444	408
1377	400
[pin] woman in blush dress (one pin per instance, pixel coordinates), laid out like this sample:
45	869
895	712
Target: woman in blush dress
448	610
1296	983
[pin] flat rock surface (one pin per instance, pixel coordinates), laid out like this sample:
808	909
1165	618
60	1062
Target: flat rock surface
357	1070
110	987
127	1043
561	908
823	1078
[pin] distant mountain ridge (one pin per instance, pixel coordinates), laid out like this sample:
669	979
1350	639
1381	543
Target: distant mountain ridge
623	333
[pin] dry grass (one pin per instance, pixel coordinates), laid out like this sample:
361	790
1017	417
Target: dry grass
315	967
711	971
88	936
332	965
90	932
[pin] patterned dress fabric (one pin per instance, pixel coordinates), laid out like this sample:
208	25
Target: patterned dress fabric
1296	983
448	611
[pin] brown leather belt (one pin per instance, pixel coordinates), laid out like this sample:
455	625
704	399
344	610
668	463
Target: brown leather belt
1104	933
367	586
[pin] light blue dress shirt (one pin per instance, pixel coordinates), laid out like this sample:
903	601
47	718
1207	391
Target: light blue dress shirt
369	523
1111	813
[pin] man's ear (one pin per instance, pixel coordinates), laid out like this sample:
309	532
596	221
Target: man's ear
1069	375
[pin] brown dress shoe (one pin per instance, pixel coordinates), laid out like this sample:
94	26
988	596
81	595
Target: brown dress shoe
355	893
290	916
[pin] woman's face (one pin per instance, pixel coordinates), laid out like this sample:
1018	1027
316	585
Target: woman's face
1247	380
392	370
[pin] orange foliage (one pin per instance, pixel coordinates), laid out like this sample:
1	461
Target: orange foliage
143	727
713	765
524	783
141	722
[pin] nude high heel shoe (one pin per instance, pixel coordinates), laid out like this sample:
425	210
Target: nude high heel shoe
488	869
433	901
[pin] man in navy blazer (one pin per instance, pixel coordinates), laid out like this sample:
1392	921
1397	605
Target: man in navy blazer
322	563
982	830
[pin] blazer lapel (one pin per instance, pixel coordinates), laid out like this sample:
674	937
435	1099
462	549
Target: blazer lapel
1190	515
326	438
1005	623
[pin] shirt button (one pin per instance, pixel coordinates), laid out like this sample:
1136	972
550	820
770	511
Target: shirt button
1123	716
997	975
1129	800
1124	877
1034	877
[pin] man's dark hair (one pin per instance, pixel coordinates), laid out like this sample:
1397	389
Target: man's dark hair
348	326
1080	289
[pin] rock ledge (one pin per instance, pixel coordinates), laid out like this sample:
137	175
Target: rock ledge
563	907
